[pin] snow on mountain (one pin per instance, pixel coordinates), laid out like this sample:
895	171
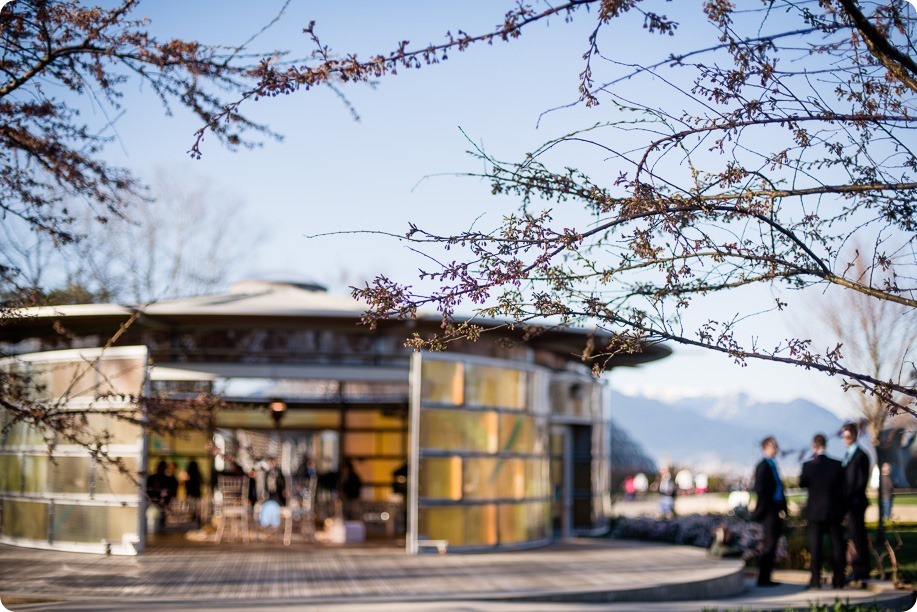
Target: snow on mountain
723	434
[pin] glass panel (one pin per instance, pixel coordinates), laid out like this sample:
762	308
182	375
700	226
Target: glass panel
372	419
22	434
121	520
441	382
440	478
514	523
311	419
378	471
10	473
160	444
121	376
459	430
36	474
460	525
109	480
71	379
394	443
518	434
69	475
80	523
119	430
495	387
537	478
292	418
359	444
492	478
189	442
23	519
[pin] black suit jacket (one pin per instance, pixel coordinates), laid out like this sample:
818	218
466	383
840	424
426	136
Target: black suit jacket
856	475
824	478
765	487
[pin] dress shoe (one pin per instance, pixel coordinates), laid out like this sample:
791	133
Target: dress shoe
768	583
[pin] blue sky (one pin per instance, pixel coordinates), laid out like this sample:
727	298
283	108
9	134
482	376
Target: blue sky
393	167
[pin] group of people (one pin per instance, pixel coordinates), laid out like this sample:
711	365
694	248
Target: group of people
837	494
268	485
162	487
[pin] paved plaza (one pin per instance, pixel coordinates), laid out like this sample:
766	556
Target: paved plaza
582	574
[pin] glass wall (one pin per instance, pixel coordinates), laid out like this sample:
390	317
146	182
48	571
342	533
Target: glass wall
483	477
68	500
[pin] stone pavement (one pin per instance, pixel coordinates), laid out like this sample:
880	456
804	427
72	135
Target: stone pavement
585	574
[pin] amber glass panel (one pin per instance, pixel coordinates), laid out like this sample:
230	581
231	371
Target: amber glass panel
460	525
441	382
514	523
293	418
69	475
440	478
495	387
121	376
36	474
360	443
10	473
393	443
109	480
492	478
519	434
459	430
22	519
371	419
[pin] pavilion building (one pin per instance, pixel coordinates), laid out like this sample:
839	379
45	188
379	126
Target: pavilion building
496	444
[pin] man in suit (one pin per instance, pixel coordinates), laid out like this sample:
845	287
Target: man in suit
824	478
771	503
856	475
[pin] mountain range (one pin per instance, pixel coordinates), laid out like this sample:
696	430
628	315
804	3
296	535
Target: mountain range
723	434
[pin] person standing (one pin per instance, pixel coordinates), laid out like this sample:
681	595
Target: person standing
887	485
667	490
856	475
824	478
771	503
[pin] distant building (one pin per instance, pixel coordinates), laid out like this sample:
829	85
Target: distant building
506	440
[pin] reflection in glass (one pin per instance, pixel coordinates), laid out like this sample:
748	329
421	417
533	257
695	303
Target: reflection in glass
441	382
495	387
459	430
519	434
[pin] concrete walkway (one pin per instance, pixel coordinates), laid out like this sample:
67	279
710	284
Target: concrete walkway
575	575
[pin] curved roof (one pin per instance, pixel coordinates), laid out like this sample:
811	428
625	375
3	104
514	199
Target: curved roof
259	302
